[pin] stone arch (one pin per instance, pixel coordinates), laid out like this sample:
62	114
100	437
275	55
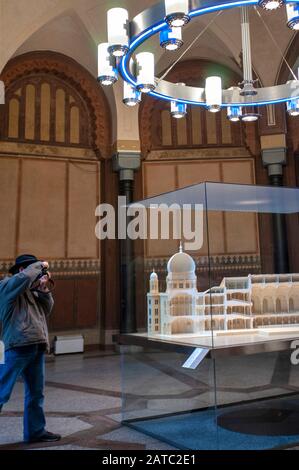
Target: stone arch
268	305
83	83
265	305
278	306
291	305
257	305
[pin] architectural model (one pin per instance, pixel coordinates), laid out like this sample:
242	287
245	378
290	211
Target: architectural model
239	303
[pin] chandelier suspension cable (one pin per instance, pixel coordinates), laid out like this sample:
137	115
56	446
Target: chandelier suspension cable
276	44
189	47
246	46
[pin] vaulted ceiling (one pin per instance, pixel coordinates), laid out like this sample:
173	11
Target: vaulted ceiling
75	27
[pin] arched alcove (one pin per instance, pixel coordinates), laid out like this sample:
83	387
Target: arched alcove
55	140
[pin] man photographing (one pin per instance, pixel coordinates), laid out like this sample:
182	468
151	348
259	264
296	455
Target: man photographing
25	303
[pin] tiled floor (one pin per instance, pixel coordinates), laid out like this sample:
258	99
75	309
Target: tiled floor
83	403
83	396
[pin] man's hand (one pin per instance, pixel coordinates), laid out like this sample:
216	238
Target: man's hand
43	281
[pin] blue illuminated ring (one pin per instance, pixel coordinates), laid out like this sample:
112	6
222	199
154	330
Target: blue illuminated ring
149	23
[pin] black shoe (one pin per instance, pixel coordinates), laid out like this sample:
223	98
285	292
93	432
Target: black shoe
45	437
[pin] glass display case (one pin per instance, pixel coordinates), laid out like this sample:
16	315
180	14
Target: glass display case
213	364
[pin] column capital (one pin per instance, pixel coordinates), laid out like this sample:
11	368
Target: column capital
274	159
126	162
273	141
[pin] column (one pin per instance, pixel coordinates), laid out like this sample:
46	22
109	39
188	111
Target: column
126	163
274	159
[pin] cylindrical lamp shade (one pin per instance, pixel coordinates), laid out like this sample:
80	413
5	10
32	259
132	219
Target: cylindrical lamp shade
249	114
178	110
145	72
177	12
107	74
171	39
270	4
213	92
293	107
293	15
117	26
234	113
131	95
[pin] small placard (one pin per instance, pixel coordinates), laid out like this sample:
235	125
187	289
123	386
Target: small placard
196	358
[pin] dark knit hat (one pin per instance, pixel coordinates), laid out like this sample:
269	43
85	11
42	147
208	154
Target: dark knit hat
23	261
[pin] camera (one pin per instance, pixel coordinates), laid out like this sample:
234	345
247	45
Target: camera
44	272
50	283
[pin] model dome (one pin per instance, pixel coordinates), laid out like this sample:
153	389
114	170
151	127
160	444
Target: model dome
153	276
181	263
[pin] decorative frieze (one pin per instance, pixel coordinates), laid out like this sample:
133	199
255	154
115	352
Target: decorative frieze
64	267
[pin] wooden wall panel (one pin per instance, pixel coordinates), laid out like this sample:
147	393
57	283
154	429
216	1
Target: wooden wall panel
241	232
159	178
166	128
199	172
196	125
42	208
45	112
211	128
60	116
74	125
30	112
241	228
62	317
83	200
87	302
226	129
13	119
229	233
241	172
181	125
9	174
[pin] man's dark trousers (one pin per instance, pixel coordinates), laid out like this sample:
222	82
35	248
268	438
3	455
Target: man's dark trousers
29	363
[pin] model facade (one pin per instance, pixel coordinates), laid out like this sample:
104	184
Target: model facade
239	303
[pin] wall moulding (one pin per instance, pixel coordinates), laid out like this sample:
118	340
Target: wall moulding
35	150
198	154
63	267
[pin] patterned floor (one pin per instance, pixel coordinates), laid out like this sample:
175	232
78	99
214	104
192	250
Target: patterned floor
83	396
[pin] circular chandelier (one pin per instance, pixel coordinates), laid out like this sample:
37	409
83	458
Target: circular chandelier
119	56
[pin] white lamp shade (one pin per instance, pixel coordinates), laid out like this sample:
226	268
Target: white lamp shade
105	68
176	6
234	113
293	15
178	110
145	71
213	92
171	38
117	20
177	12
131	96
270	4
293	107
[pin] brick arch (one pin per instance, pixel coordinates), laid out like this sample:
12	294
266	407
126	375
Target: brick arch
78	78
191	72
